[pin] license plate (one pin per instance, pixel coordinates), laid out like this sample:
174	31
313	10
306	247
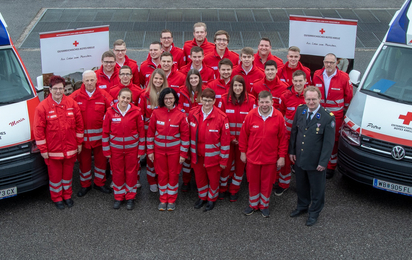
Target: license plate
7	193
392	187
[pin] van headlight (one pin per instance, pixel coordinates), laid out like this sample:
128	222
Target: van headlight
350	135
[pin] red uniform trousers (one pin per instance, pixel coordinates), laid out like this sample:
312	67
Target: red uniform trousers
168	169
234	171
285	173
85	167
187	172
207	179
150	172
60	178
124	167
333	160
260	178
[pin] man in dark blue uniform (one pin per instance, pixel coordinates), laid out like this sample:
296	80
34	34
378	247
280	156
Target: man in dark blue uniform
311	143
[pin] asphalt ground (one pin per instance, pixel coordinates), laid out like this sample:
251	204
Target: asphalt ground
358	221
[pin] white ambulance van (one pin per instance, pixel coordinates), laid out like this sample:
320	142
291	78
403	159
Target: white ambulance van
375	145
21	166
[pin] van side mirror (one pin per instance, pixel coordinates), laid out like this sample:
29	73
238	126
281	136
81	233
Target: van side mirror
39	87
354	77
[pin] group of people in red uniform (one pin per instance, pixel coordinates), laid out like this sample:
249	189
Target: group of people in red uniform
202	108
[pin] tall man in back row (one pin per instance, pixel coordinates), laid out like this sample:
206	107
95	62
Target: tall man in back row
337	93
311	142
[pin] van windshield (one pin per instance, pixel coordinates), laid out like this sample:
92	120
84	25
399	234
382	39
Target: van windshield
390	76
14	86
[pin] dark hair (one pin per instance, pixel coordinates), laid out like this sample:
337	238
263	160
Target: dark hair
265	94
166	31
126	67
198	87
166	54
196	49
163	94
231	93
108	54
125	90
265	39
209	93
299	73
271	63
225	61
158	43
54	80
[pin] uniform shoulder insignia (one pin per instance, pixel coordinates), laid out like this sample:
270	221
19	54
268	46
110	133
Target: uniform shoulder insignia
300	105
182	110
331	114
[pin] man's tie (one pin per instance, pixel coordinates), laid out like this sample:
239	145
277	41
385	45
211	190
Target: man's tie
309	118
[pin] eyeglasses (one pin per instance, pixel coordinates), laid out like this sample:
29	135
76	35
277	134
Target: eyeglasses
57	89
125	74
207	100
221	40
123	50
108	62
166	38
329	62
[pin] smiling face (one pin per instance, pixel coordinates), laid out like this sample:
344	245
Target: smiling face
225	71
247	60
155	51
125	76
265	105
264	48
330	64
120	52
169	101
57	91
166	63
108	64
207	104
312	100
293	58
194	81
237	88
221	42
270	72
299	83
197	59
199	34
125	97
166	40
89	81
158	81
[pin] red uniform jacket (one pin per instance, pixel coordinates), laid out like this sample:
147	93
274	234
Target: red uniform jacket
259	64
178	56
207	47
340	92
220	88
207	73
146	69
184	100
254	75
168	132
285	73
103	82
212	59
123	133
264	142
135	69
175	79
237	113
93	110
276	87
217	146
58	128
136	92
290	100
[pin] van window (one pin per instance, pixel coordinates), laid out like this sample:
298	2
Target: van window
14	86
390	76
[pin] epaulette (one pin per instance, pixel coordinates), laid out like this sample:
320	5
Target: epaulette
300	105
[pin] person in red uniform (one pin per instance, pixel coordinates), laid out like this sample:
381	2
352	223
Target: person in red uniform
293	64
199	39
337	93
147	102
264	54
58	131
221	52
262	144
168	145
270	82
197	63
108	74
119	49
209	148
246	69
174	77
126	76
291	99
123	144
236	104
93	103
166	38
221	85
189	98
151	63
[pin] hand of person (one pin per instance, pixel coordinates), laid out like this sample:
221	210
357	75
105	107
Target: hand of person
223	166
181	160
79	149
281	162
235	142
45	155
292	158
320	168
150	157
138	156
243	157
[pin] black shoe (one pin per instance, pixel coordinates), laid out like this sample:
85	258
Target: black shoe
298	212
248	211
265	212
185	187
116	204
311	221
103	189
329	173
233	197
69	203
199	203
83	191
130	204
221	196
59	204
279	191
209	206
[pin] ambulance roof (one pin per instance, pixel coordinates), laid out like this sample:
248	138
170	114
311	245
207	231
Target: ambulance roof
400	30
4	35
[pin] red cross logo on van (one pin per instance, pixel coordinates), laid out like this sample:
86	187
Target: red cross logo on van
406	118
322	31
75	43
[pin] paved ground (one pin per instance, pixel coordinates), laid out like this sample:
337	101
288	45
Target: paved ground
358	222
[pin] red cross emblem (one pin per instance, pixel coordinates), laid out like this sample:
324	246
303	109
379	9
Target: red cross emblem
75	43
322	31
406	118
